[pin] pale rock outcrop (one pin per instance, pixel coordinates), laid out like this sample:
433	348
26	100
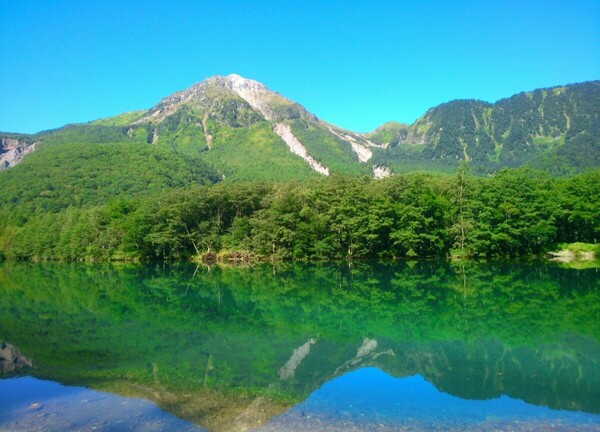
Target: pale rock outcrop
288	370
12	151
296	147
380	172
256	94
362	151
11	358
367	347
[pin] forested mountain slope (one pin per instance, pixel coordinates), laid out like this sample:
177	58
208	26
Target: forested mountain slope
556	129
247	132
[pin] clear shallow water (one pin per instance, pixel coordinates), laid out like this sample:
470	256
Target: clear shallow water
398	346
30	404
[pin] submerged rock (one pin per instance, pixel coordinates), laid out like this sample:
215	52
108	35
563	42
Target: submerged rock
11	358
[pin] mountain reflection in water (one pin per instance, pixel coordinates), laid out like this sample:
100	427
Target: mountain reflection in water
234	348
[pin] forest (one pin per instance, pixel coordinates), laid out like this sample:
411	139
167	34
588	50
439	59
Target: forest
515	212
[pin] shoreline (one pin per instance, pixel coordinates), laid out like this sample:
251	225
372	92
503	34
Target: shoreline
573	253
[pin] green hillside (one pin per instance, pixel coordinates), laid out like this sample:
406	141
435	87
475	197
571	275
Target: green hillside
390	133
56	177
556	129
254	153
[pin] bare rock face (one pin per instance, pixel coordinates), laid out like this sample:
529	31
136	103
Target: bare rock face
11	358
270	104
232	94
380	172
12	151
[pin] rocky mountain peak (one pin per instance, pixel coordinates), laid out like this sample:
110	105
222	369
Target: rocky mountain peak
271	105
239	84
256	94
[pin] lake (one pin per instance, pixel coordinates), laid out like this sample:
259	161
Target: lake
411	346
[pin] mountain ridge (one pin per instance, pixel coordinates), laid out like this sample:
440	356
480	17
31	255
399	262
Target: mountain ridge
247	131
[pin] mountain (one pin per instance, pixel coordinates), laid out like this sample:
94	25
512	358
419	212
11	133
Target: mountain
556	129
250	132
237	125
247	132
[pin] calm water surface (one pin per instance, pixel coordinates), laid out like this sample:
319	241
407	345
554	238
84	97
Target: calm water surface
400	346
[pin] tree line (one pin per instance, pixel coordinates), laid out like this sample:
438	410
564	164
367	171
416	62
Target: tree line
512	213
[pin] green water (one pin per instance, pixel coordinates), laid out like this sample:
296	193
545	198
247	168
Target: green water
225	347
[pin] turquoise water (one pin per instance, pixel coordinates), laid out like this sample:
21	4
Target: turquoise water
397	346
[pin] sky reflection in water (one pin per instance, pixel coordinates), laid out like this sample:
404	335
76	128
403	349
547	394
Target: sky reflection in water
369	399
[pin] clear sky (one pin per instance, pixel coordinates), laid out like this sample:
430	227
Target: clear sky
356	64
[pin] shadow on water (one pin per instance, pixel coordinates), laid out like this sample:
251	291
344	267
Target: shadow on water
231	348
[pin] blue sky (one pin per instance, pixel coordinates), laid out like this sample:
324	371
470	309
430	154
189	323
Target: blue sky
356	64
